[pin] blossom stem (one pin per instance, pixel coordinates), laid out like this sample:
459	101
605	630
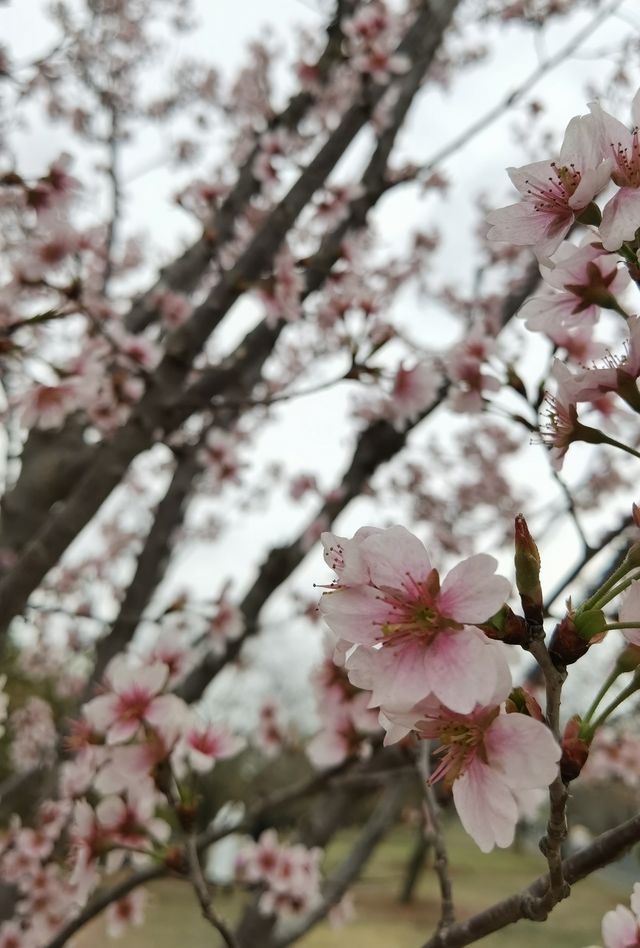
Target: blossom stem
601	693
617	701
610	589
605	439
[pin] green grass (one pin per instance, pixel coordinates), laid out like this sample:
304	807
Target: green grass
173	919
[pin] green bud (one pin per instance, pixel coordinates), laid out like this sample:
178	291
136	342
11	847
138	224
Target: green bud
527	562
589	623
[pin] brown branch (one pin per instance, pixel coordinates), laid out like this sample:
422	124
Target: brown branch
104	899
184	273
506	103
551	843
203	895
604	850
152	562
253	818
433	834
155	408
116	194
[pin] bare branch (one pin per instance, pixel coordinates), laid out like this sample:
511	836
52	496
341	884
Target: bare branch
434	835
551	843
203	895
155	408
604	850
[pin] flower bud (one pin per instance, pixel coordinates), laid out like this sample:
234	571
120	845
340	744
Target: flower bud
527	562
590	623
575	750
175	859
523	702
566	645
506	626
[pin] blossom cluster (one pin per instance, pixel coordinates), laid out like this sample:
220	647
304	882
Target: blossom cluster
119	800
288	875
415	644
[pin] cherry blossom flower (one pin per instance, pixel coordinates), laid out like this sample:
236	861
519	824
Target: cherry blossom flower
560	427
134	699
617	374
581	280
282	298
414	390
630	612
203	744
620	926
420	633
553	192
34	735
47	406
174	308
621	215
129	910
492	760
226	625
465	366
289	874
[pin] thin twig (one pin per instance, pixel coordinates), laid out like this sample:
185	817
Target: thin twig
433	831
203	895
525	86
551	843
604	850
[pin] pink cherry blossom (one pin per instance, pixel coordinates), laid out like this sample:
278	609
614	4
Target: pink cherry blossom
47	406
203	744
553	192
129	910
617	374
581	281
630	612
621	215
134	699
422	632
620	926
414	390
491	759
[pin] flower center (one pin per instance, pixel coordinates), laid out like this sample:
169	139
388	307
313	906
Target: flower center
553	197
628	162
414	612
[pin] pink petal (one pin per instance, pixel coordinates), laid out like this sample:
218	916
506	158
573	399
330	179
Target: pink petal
327	749
620	928
101	712
523	750
354	614
630	612
620	218
472	592
400	678
123	730
392	554
486	807
463	669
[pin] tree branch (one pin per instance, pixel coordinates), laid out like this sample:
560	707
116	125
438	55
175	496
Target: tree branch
604	850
